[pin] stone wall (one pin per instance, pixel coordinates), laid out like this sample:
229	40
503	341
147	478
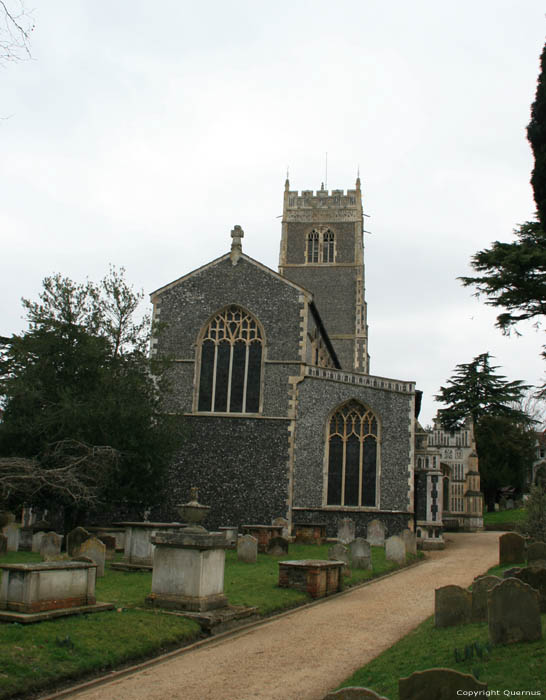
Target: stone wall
317	398
239	466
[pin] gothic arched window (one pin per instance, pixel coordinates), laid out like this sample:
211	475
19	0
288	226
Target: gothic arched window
328	246
352	449
313	243
231	363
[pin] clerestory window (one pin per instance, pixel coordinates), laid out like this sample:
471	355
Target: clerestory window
231	356
352	458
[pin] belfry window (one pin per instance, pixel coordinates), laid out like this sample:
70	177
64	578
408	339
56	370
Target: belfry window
231	363
320	246
313	247
352	449
328	247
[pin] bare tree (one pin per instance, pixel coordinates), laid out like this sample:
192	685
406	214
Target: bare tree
16	26
69	470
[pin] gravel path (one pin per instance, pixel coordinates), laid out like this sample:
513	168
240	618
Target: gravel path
306	653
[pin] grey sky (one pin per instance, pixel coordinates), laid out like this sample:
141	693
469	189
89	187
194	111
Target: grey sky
141	132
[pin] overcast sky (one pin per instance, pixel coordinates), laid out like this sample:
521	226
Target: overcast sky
141	132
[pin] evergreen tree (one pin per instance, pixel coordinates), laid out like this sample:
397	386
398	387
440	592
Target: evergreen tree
476	390
536	133
80	375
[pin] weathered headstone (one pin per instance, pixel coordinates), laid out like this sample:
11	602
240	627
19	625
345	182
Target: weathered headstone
247	549
36	540
510	505
278	546
345	530
74	540
12	533
375	533
339	552
282	522
109	541
354	694
3	544
534	576
96	551
514	613
50	546
511	548
409	540
361	553
438	684
536	553
452	606
480	588
395	549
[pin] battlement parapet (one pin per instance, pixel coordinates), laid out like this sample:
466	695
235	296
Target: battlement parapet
322	198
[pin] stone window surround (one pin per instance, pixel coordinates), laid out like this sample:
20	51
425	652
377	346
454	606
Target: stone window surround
320	242
197	370
349	508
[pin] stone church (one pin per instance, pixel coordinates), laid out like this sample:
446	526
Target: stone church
271	377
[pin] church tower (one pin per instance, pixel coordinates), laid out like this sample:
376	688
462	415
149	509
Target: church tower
322	249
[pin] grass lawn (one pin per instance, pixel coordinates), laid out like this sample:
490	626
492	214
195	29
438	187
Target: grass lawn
42	655
511	668
517	515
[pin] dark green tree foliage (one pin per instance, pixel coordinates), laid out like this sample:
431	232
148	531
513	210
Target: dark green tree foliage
80	373
513	276
506	450
535	520
476	390
504	441
536	133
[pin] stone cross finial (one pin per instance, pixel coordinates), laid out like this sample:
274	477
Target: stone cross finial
237	234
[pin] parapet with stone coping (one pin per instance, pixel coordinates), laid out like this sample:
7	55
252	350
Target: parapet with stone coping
357	379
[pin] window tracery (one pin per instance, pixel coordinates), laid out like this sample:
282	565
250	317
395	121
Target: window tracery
231	363
320	246
352	456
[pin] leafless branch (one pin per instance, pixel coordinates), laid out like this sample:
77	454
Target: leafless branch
15	30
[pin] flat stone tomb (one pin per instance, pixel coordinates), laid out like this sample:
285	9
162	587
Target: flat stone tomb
263	533
32	592
310	533
139	549
317	577
188	571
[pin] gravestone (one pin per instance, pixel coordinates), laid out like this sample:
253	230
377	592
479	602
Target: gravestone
361	554
409	540
452	606
375	533
480	588
12	533
109	541
74	540
93	548
345	530
439	684
536	553
511	548
36	540
282	522
278	546
50	546
247	549
3	544
514	613
534	576
510	505
354	694
395	549
339	552
510	573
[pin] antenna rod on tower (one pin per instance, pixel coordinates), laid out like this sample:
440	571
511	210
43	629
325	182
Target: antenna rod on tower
326	172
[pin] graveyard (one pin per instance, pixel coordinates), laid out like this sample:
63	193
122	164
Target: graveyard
48	653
